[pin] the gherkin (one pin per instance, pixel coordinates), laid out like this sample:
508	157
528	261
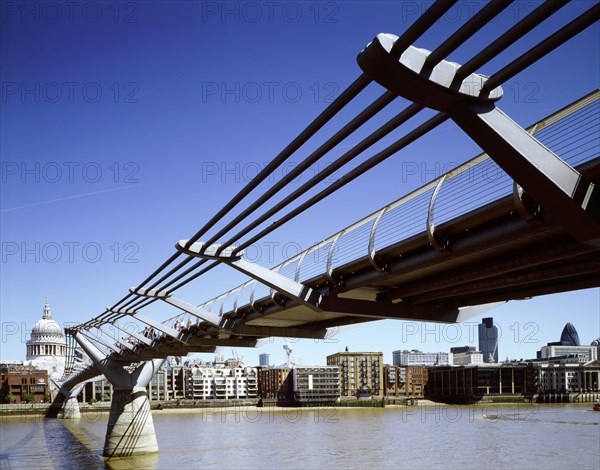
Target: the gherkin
569	335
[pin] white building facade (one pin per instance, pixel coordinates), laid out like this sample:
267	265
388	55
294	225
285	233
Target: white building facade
590	353
420	358
47	348
569	378
210	383
467	358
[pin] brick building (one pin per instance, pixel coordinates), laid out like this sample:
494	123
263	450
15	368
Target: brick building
21	380
405	381
276	384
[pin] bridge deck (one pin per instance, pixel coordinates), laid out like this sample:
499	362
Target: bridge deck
497	248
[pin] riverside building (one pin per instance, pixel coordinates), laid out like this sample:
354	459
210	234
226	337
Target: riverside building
21	380
316	384
361	374
405	381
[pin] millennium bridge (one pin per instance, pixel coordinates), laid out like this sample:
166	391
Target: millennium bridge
520	220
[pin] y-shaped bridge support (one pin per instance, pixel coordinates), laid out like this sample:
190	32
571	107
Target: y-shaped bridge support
70	407
130	427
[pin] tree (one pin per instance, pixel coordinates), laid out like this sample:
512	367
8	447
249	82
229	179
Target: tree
9	397
47	398
28	398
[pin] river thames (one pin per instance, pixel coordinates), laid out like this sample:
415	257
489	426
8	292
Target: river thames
432	436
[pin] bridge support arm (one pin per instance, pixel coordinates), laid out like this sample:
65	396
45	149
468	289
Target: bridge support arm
561	190
286	286
198	312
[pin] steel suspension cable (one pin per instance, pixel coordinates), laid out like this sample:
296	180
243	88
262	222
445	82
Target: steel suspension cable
541	49
353	174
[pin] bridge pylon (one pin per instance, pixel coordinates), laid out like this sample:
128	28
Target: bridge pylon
130	429
70	406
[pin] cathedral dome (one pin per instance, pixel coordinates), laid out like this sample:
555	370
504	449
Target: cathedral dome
47	330
47	338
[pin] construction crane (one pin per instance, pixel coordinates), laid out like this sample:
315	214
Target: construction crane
288	352
238	358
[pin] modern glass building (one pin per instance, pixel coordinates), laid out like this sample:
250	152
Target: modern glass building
488	340
569	336
263	360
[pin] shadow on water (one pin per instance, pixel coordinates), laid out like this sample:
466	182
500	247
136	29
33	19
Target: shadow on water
84	449
66	451
55	407
15	452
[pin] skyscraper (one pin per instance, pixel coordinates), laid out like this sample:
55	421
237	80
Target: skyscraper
263	359
488	340
569	336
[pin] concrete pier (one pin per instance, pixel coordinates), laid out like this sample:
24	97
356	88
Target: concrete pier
70	409
70	406
130	429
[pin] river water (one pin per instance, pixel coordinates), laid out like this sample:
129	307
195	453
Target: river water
481	436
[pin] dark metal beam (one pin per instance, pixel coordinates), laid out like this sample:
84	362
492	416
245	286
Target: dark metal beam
404	311
240	328
353	174
342	100
529	291
529	257
364	116
556	186
517	279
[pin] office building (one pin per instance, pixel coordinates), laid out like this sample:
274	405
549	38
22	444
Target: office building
553	350
263	360
569	336
467	358
420	358
569	378
488	340
468	384
221	383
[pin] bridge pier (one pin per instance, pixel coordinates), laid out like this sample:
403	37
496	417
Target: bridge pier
130	429
70	407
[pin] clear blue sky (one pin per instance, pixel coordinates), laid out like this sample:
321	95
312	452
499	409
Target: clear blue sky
124	126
